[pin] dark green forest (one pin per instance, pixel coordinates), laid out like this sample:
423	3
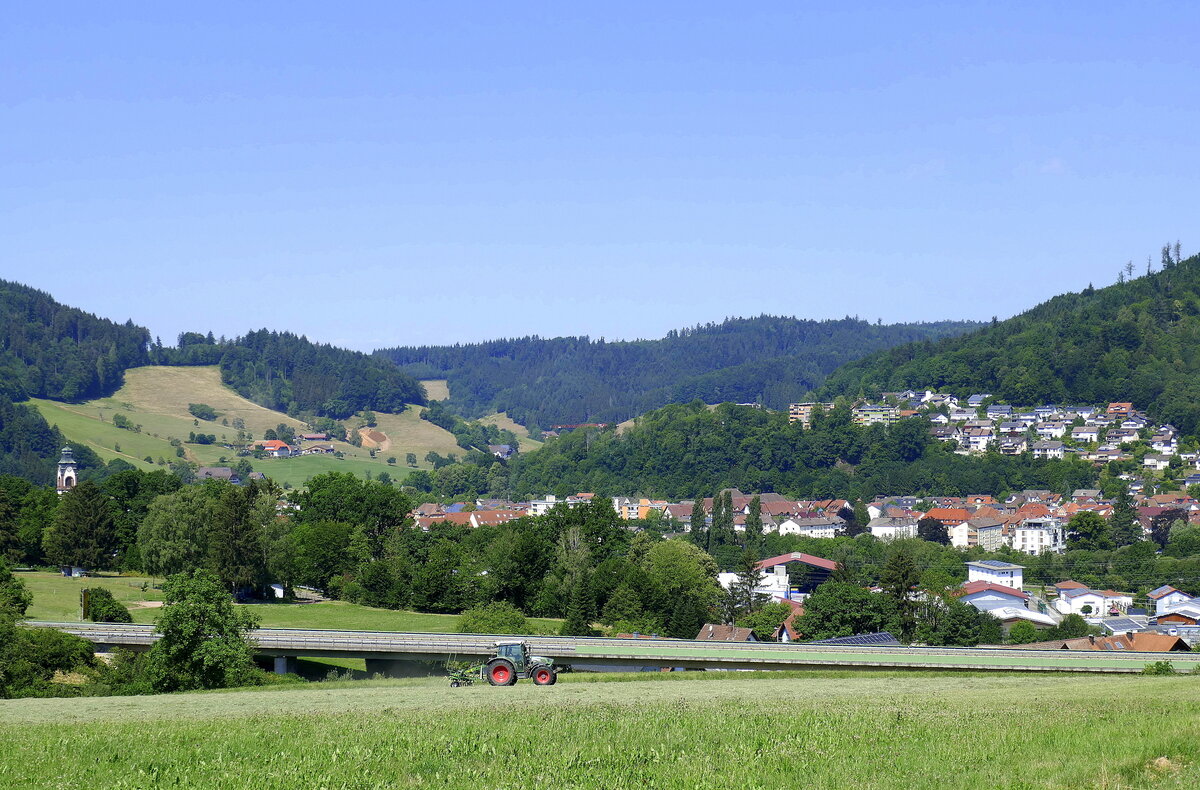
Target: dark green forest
49	350
292	374
30	448
688	450
544	382
1137	340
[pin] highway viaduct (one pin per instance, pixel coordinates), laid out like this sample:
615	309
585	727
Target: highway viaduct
389	652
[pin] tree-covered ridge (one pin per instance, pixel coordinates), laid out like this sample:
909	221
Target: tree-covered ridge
682	451
290	373
1137	340
548	381
49	350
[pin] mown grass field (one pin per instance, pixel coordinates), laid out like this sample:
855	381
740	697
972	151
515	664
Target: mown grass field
56	598
408	433
157	398
820	729
502	420
436	389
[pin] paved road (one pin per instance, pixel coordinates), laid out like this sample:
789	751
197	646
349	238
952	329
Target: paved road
296	642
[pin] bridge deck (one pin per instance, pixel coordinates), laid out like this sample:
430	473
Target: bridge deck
296	642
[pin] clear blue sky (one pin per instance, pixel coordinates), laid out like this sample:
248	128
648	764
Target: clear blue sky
383	174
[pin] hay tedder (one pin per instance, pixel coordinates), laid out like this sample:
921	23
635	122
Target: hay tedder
511	662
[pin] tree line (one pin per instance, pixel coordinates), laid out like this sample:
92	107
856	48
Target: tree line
550	381
687	450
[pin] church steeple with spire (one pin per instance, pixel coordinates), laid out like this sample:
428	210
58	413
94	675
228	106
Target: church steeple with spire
66	471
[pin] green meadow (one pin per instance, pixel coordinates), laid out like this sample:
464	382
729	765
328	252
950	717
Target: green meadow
56	598
820	729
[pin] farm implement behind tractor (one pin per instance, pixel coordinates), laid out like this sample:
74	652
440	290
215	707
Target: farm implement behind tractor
510	663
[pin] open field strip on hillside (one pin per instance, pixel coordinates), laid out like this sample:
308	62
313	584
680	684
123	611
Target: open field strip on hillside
502	420
157	398
436	389
167	391
408	433
694	730
56	599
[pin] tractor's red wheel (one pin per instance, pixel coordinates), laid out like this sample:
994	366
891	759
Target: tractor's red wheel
501	672
543	676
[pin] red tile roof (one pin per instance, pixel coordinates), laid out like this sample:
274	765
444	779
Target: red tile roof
797	556
981	586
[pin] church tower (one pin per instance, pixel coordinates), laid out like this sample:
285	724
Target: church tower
66	471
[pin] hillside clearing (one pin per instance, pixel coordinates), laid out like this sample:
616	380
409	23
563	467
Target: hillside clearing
819	729
502	420
436	389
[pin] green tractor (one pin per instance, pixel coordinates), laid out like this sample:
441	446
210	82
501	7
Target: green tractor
513	661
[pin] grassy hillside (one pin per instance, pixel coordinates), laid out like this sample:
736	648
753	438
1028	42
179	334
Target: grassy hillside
502	420
879	730
56	598
436	389
157	398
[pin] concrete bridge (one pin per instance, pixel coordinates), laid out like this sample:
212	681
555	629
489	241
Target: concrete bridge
391	653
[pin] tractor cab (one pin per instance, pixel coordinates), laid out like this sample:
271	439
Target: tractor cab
514	652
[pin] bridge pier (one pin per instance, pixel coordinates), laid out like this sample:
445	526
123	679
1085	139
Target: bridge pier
285	664
398	668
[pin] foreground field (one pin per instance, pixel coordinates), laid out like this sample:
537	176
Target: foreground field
694	730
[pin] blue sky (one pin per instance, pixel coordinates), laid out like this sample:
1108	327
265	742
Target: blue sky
387	174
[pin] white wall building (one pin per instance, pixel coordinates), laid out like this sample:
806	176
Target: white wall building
1035	536
996	572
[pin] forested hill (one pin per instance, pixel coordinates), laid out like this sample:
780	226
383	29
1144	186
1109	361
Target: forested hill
30	448
50	350
690	450
290	373
1138	340
543	382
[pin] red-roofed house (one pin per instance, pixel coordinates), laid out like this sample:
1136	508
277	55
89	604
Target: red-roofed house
949	516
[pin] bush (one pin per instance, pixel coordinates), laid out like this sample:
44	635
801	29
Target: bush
1022	633
14	595
202	411
1159	668
103	608
500	617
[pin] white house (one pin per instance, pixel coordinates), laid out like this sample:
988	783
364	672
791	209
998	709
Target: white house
1156	462
1051	430
978	439
811	527
1166	598
1086	433
986	596
1036	536
774	583
996	572
1097	603
540	507
892	528
1048	449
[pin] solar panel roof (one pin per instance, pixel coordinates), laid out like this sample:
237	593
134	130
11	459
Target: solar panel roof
996	564
881	638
